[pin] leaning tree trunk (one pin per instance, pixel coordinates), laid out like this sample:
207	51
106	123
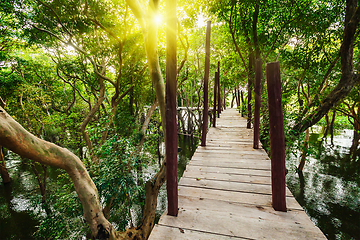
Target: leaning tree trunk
14	137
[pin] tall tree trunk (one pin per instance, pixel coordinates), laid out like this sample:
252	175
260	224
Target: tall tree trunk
237	94
152	187
356	136
242	103
224	99
356	139
233	99
332	127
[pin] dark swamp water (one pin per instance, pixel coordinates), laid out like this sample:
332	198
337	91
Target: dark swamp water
328	189
17	213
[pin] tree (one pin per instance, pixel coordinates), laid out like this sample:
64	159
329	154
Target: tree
349	77
70	30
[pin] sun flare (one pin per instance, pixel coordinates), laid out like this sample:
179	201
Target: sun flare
158	19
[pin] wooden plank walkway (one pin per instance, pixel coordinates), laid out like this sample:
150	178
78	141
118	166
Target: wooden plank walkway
225	193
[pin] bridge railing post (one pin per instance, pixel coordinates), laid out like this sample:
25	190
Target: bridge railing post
215	97
219	92
257	91
277	138
171	111
250	83
206	85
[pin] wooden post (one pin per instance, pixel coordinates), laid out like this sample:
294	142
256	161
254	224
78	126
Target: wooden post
224	98
215	97
206	85
242	102
171	128
219	91
251	61
237	97
277	138
257	91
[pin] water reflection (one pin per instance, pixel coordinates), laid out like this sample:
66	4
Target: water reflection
18	218
187	146
329	187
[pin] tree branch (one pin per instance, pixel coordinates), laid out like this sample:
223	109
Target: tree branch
57	16
14	137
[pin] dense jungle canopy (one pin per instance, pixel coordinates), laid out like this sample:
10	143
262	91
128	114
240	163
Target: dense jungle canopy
82	88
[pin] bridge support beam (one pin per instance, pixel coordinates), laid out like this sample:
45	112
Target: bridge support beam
277	138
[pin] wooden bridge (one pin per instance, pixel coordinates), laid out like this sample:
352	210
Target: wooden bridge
225	193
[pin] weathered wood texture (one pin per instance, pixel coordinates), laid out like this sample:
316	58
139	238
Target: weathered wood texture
171	126
257	92
216	82
225	193
277	137
206	85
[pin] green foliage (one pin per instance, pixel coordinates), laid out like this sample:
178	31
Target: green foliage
341	122
50	86
62	216
117	178
125	123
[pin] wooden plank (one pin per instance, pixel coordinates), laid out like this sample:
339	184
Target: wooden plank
227	177
244	158
176	233
232	196
225	193
222	158
233	154
250	221
233	171
234	151
241	165
228	143
262	188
